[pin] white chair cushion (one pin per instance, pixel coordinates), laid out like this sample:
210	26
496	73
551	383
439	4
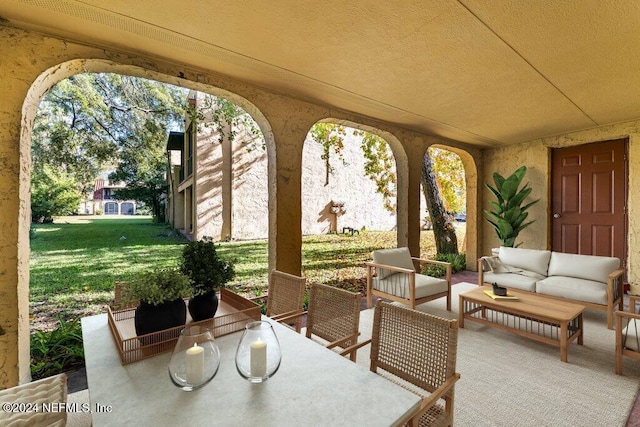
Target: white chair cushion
47	390
399	257
527	259
587	267
630	335
573	288
398	285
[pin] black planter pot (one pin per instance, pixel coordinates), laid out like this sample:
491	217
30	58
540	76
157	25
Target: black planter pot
153	318
203	306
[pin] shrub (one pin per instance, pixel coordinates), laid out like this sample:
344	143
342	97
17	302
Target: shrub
157	287
58	350
201	263
458	263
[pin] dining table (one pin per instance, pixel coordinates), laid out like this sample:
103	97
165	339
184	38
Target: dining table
313	386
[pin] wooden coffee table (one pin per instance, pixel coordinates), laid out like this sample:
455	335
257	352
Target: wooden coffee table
533	316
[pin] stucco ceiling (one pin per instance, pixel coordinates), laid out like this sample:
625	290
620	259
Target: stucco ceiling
487	72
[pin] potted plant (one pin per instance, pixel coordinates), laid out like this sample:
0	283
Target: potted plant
161	304
207	272
508	214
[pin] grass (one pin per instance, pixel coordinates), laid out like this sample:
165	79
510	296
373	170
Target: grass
75	261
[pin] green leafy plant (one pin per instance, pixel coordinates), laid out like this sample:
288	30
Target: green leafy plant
508	215
56	351
157	287
204	267
458	263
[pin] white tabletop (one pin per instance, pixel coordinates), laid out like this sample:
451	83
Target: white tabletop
314	386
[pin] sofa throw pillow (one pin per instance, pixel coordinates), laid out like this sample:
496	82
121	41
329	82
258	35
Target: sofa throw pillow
533	260
399	257
494	265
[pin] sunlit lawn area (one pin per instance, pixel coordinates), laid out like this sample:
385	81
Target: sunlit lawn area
75	261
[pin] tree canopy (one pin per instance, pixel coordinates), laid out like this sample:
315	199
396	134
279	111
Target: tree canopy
91	123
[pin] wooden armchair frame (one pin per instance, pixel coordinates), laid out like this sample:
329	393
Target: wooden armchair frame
623	320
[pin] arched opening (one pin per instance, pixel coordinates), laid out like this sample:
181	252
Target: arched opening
40	86
457	174
349	199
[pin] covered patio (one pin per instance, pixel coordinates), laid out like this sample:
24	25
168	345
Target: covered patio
501	84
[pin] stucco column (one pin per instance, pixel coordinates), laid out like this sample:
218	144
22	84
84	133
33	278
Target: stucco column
413	202
15	165
290	122
408	165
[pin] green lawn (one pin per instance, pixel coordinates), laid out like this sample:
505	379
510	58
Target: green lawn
75	261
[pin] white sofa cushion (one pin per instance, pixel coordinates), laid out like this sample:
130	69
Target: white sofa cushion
534	260
573	288
399	257
512	280
588	267
398	285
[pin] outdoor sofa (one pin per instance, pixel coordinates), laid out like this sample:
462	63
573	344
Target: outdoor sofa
593	281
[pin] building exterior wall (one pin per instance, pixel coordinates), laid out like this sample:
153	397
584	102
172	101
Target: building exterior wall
247	193
348	183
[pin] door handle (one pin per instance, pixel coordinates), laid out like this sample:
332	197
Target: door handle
556	215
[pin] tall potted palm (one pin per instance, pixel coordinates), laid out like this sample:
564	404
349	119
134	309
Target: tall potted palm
508	213
207	272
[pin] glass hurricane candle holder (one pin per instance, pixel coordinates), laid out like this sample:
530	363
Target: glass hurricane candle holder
195	359
258	355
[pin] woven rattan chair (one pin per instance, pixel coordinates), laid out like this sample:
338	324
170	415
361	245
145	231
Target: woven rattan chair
285	298
51	391
334	316
627	333
392	275
418	351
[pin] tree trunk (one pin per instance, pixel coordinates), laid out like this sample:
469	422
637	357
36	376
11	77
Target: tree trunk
443	230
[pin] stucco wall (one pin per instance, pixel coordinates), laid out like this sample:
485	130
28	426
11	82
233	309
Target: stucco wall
348	184
536	156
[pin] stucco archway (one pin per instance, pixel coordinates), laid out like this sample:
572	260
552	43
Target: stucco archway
471	202
45	81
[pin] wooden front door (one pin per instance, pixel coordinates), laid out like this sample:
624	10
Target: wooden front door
589	197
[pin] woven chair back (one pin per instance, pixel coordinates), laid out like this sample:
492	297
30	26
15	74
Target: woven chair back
417	347
333	313
286	293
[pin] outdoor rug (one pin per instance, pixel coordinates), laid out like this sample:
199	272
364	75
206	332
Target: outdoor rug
508	380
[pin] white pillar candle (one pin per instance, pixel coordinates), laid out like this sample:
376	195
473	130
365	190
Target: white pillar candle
195	364
258	358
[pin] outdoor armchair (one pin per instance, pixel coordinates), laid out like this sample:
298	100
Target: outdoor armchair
392	275
627	334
